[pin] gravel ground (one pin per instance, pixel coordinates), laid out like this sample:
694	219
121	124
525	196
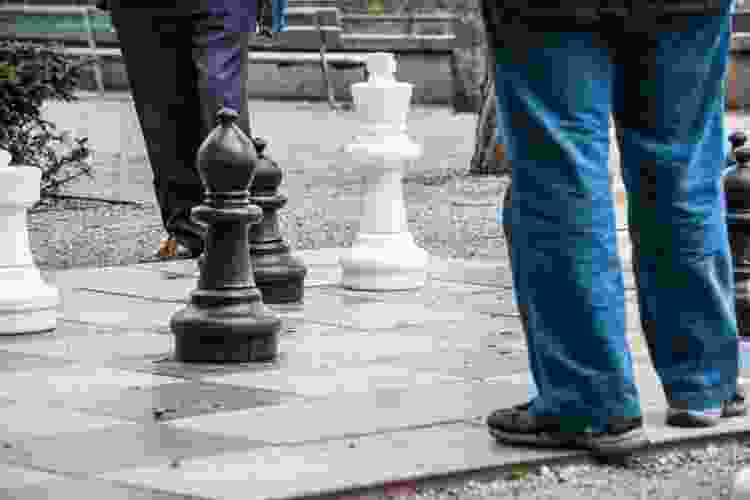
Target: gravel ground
450	215
700	473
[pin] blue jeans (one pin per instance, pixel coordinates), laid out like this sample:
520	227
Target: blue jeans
555	93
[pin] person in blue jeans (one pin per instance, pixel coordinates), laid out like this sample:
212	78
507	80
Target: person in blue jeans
658	68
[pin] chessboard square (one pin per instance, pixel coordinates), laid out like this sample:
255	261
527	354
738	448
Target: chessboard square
356	346
36	419
130	282
116	310
118	447
84	489
334	466
376	316
174	401
102	347
358	414
339	380
58	383
17	361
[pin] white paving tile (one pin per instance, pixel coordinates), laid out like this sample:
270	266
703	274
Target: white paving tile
98	347
75	380
297	471
348	414
362	346
12	477
323	382
38	420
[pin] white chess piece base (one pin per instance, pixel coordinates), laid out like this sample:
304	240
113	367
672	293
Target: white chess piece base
27	304
384	262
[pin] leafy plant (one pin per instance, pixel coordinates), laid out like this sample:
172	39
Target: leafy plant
31	74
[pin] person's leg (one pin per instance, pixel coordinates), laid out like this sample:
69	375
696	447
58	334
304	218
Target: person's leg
554	95
156	51
220	70
670	117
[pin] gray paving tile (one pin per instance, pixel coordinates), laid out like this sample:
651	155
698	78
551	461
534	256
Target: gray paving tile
325	257
121	446
117	311
356	414
321	382
169	367
470	366
174	401
65	328
374	315
14	477
15	361
26	418
97	347
57	384
433	291
140	284
478	272
283	472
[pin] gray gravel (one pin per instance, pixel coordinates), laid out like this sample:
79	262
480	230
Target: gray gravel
701	473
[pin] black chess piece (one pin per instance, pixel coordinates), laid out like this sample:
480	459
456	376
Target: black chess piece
737	192
278	274
226	319
737	139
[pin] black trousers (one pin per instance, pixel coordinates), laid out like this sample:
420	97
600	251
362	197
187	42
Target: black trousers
182	70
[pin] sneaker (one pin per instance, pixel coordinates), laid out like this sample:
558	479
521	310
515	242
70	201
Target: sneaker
735	407
189	234
516	426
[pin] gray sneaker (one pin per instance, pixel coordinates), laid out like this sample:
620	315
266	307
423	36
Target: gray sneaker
735	407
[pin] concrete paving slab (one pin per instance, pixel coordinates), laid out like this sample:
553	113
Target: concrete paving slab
13	477
98	348
66	487
116	310
168	402
333	466
323	382
360	414
117	447
39	420
55	384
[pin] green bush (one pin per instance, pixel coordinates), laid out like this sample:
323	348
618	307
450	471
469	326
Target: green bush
30	74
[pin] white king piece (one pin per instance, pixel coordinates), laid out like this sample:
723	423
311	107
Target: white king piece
384	255
27	304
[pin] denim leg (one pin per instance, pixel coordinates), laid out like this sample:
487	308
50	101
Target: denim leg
553	91
669	104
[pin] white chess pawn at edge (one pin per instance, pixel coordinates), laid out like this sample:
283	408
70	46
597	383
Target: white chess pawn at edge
27	304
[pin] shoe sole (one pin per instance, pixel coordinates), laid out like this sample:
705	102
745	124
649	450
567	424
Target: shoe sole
611	445
677	418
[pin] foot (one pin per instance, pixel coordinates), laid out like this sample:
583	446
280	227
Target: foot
735	407
516	426
188	234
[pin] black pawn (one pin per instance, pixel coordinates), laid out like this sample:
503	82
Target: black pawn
278	274
226	319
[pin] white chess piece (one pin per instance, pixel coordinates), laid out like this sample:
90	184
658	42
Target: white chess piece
384	255
27	303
